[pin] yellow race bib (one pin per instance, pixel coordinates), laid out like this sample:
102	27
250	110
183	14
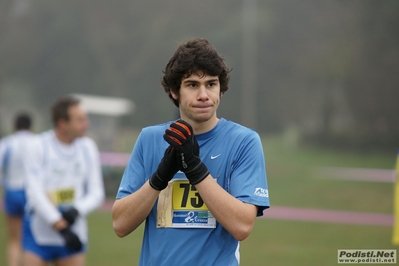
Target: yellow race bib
62	196
181	206
186	197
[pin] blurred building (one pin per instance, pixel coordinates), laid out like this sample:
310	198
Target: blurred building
104	114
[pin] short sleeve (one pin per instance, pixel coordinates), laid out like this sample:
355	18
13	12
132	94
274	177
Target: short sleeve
248	177
134	175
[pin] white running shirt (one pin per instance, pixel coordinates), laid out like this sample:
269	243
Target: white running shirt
12	150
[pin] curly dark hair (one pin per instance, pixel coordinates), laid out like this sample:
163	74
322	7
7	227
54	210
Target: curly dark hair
195	56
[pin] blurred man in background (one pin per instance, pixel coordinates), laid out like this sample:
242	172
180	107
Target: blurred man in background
199	182
64	184
12	150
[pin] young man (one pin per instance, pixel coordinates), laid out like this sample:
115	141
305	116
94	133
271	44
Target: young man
199	182
12	150
64	184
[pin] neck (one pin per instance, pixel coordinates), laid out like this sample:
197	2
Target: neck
202	127
63	137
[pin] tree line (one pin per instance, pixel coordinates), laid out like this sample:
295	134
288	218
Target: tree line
327	70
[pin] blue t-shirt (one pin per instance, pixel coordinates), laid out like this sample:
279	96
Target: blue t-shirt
234	157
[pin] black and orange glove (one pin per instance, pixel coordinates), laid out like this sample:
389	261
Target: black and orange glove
180	136
167	168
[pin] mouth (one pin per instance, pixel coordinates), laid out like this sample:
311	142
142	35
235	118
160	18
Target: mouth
202	108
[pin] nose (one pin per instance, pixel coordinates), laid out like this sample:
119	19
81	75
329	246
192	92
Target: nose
203	93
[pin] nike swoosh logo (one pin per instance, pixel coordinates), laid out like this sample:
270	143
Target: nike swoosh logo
214	157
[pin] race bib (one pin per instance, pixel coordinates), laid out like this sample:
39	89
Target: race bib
181	206
62	196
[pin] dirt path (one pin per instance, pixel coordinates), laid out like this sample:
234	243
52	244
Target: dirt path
310	215
329	216
317	215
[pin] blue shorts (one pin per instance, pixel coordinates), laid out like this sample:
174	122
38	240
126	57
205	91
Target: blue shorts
45	252
14	202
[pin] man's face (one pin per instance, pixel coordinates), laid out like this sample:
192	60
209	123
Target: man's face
78	122
199	97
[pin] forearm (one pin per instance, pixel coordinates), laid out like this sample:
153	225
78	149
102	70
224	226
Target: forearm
234	215
95	194
44	208
39	201
129	212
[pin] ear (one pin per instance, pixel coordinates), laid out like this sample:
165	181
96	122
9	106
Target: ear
174	95
61	123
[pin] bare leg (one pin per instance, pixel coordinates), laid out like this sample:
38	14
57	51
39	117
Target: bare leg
31	259
14	250
75	260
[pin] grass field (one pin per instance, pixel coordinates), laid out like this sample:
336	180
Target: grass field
292	182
